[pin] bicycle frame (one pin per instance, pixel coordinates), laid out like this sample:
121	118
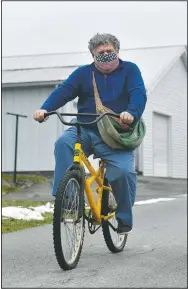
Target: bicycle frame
98	177
81	159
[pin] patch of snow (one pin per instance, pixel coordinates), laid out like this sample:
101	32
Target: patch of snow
48	208
31	213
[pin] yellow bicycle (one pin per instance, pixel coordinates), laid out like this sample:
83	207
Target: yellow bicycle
69	208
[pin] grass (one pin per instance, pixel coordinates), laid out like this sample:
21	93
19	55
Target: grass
33	178
21	181
9	189
12	225
24	203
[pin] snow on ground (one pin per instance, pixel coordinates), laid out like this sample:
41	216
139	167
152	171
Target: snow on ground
31	213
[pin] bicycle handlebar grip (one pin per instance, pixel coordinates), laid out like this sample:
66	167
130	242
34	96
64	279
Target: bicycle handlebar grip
45	118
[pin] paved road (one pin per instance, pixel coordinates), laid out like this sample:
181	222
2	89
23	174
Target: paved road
155	255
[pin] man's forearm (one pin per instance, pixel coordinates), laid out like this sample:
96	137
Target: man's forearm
137	92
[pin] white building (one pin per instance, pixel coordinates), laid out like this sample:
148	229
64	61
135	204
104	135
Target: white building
28	80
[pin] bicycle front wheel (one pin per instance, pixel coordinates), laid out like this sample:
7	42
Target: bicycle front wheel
113	240
68	223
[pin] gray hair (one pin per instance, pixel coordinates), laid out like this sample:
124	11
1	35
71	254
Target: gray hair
102	39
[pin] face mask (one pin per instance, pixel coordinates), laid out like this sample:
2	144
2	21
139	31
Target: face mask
106	63
106	58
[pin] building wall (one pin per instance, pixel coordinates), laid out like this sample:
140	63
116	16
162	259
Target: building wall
35	141
169	98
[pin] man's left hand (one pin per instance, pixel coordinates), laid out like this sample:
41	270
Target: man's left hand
126	117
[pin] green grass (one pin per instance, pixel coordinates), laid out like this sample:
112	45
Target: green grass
33	178
12	225
7	189
21	179
24	203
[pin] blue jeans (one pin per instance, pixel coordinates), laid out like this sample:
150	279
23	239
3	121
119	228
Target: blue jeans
119	167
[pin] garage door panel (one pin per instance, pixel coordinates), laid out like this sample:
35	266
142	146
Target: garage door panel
35	141
161	145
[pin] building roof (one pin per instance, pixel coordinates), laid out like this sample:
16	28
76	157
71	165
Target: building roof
54	68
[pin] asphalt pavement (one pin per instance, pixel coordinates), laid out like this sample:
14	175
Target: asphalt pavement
155	255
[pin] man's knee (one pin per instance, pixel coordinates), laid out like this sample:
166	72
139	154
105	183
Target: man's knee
114	173
64	142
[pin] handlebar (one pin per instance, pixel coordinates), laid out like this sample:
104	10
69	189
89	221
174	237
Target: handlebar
60	116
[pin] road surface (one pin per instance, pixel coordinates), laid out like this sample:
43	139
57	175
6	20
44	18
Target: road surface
155	254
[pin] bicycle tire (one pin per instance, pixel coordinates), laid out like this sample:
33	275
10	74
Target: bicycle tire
57	219
106	227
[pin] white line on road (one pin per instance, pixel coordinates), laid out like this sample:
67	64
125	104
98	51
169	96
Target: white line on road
152	201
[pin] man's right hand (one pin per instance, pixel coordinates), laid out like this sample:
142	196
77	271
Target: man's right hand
39	114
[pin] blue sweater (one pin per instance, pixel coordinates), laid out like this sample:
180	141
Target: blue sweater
122	90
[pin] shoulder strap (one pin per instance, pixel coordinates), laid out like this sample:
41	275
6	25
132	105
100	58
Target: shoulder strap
99	105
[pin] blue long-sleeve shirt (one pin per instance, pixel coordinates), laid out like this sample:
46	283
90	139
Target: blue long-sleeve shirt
121	90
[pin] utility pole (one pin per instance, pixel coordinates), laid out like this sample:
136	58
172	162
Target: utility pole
16	142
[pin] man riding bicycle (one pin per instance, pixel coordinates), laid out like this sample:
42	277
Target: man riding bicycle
121	89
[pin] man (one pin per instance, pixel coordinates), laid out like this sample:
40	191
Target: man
121	89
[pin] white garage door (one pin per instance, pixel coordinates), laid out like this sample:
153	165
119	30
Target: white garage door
161	146
35	141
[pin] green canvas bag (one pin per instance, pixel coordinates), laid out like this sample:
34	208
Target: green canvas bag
113	133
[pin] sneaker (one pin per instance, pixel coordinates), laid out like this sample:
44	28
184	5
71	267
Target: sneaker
123	229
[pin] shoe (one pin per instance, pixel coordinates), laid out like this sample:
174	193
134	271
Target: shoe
123	229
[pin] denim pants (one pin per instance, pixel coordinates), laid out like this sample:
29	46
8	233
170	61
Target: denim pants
120	170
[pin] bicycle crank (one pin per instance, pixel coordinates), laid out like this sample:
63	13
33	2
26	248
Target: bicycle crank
91	224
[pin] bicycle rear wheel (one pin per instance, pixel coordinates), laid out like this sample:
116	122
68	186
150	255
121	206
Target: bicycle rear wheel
113	240
68	223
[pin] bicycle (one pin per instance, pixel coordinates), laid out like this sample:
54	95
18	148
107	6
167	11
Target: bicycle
69	207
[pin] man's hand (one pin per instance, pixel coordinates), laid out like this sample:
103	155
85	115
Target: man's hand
126	118
39	114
